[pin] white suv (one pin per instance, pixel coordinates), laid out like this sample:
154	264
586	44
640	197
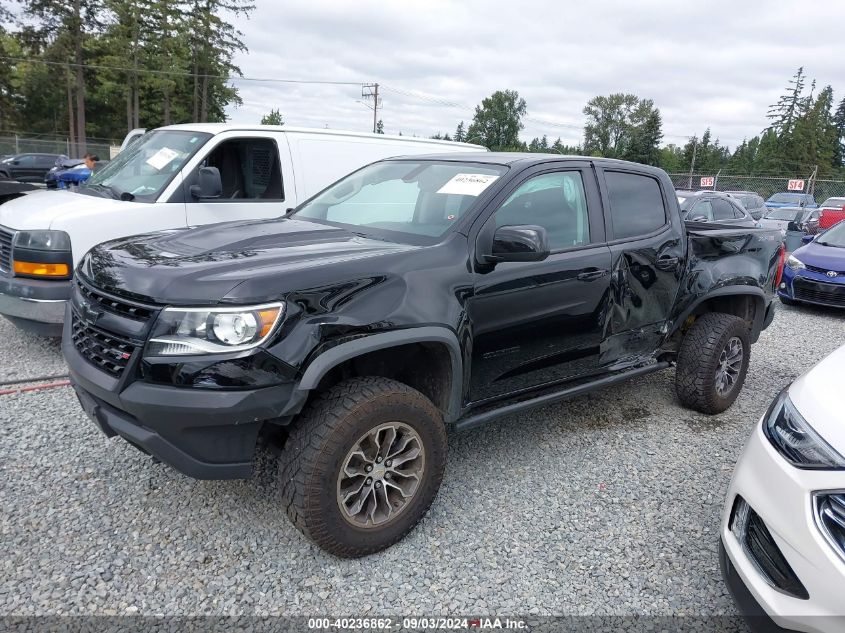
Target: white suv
783	531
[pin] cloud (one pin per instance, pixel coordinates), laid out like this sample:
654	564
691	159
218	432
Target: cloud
716	65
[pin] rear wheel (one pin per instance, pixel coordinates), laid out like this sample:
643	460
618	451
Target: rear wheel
712	362
363	464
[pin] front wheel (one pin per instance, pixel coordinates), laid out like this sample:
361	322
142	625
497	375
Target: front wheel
712	362
363	464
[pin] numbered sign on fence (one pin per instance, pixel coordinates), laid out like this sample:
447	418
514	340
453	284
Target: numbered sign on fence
708	181
795	185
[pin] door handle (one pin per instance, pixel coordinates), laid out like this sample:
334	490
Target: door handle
667	262
592	274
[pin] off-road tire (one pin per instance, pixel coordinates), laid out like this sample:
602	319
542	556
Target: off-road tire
698	360
319	442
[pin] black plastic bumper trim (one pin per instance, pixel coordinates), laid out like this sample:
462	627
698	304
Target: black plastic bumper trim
749	608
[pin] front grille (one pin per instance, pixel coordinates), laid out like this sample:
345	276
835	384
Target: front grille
116	306
102	349
830	515
759	546
819	292
5	250
824	271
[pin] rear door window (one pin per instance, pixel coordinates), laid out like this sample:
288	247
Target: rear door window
722	210
636	204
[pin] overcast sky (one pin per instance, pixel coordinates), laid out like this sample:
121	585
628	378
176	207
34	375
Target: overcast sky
717	64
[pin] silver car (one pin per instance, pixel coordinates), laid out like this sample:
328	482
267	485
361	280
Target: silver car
713	207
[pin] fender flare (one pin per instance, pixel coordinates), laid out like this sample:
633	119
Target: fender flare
333	357
730	291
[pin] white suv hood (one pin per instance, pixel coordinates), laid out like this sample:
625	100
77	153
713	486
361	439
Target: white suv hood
55	209
819	395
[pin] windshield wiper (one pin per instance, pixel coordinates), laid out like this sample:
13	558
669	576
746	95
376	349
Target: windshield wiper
829	244
119	194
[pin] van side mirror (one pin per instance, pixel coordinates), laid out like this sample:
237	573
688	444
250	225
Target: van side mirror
522	243
208	185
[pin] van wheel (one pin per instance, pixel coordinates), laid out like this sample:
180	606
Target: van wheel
362	465
712	362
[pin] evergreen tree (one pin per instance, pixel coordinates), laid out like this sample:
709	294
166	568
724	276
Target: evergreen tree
274	117
460	133
67	24
839	123
213	44
783	113
643	145
380	127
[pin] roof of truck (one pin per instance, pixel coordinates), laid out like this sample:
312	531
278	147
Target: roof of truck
217	128
525	159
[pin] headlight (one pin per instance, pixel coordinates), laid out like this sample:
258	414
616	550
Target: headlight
794	263
192	331
796	440
43	240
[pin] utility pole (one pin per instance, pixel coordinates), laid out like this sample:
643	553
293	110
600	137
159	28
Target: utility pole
370	91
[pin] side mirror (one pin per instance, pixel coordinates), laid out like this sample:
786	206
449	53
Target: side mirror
806	239
16	162
699	218
523	243
209	185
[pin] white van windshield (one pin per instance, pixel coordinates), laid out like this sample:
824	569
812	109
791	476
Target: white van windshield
142	170
422	199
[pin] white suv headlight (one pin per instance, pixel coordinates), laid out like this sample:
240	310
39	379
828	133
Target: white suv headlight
195	331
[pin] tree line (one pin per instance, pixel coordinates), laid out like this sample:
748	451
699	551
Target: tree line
94	69
806	132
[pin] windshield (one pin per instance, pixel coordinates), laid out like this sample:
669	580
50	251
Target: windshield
401	199
835	203
785	213
146	167
793	198
834	236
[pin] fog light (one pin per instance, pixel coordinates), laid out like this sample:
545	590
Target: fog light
783	286
41	269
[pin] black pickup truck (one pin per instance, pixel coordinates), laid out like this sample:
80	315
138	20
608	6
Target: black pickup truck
411	296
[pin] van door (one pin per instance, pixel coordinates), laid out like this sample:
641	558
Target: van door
252	171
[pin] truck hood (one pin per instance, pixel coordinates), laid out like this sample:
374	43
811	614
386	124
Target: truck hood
263	259
41	209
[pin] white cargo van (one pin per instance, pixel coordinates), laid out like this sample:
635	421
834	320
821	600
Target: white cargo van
172	177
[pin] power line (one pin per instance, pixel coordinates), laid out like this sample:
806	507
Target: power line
180	73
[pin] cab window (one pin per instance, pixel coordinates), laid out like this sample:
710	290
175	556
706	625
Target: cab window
557	202
249	169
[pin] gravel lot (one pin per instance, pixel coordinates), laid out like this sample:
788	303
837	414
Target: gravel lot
606	504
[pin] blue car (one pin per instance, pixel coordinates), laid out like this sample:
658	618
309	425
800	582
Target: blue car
786	199
815	273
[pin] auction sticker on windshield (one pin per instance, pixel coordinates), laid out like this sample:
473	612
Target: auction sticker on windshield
160	159
467	184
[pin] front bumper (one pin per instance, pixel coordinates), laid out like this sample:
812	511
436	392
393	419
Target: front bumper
34	301
782	496
203	433
833	288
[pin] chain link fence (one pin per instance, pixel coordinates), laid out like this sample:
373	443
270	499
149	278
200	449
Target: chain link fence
14	144
764	185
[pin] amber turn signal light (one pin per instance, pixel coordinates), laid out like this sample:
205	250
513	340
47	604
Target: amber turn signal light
41	270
